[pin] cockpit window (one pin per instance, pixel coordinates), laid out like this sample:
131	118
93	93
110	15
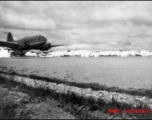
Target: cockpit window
41	38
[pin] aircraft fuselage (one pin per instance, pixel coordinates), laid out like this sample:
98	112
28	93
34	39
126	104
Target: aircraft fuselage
34	42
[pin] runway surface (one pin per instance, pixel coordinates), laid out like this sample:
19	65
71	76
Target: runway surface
128	72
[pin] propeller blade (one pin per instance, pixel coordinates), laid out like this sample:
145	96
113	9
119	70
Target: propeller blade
58	45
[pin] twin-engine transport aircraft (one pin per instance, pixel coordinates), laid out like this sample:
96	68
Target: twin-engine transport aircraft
35	42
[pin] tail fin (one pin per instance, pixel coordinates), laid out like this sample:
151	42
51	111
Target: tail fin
9	37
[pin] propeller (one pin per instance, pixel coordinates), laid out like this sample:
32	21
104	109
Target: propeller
27	44
58	45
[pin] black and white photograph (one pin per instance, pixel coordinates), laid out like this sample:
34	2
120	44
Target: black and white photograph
75	59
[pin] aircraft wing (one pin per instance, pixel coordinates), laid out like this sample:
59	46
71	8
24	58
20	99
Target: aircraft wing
57	45
12	45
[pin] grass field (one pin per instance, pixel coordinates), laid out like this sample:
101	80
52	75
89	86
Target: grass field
130	72
122	75
71	102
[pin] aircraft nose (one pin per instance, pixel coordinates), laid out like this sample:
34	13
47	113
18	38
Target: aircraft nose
44	39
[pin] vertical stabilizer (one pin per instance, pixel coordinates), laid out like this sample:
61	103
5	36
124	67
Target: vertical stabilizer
9	37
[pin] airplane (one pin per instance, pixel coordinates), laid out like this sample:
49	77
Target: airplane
19	47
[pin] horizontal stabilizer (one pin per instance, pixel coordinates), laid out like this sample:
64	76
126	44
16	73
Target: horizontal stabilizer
9	44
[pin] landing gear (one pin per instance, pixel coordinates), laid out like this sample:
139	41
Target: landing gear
18	53
41	48
22	54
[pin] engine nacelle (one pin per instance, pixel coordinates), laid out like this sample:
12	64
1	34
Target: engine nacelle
46	46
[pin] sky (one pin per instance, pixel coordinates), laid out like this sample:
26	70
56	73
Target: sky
89	25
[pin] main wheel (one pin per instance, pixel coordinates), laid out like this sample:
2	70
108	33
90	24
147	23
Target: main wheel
41	48
22	54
